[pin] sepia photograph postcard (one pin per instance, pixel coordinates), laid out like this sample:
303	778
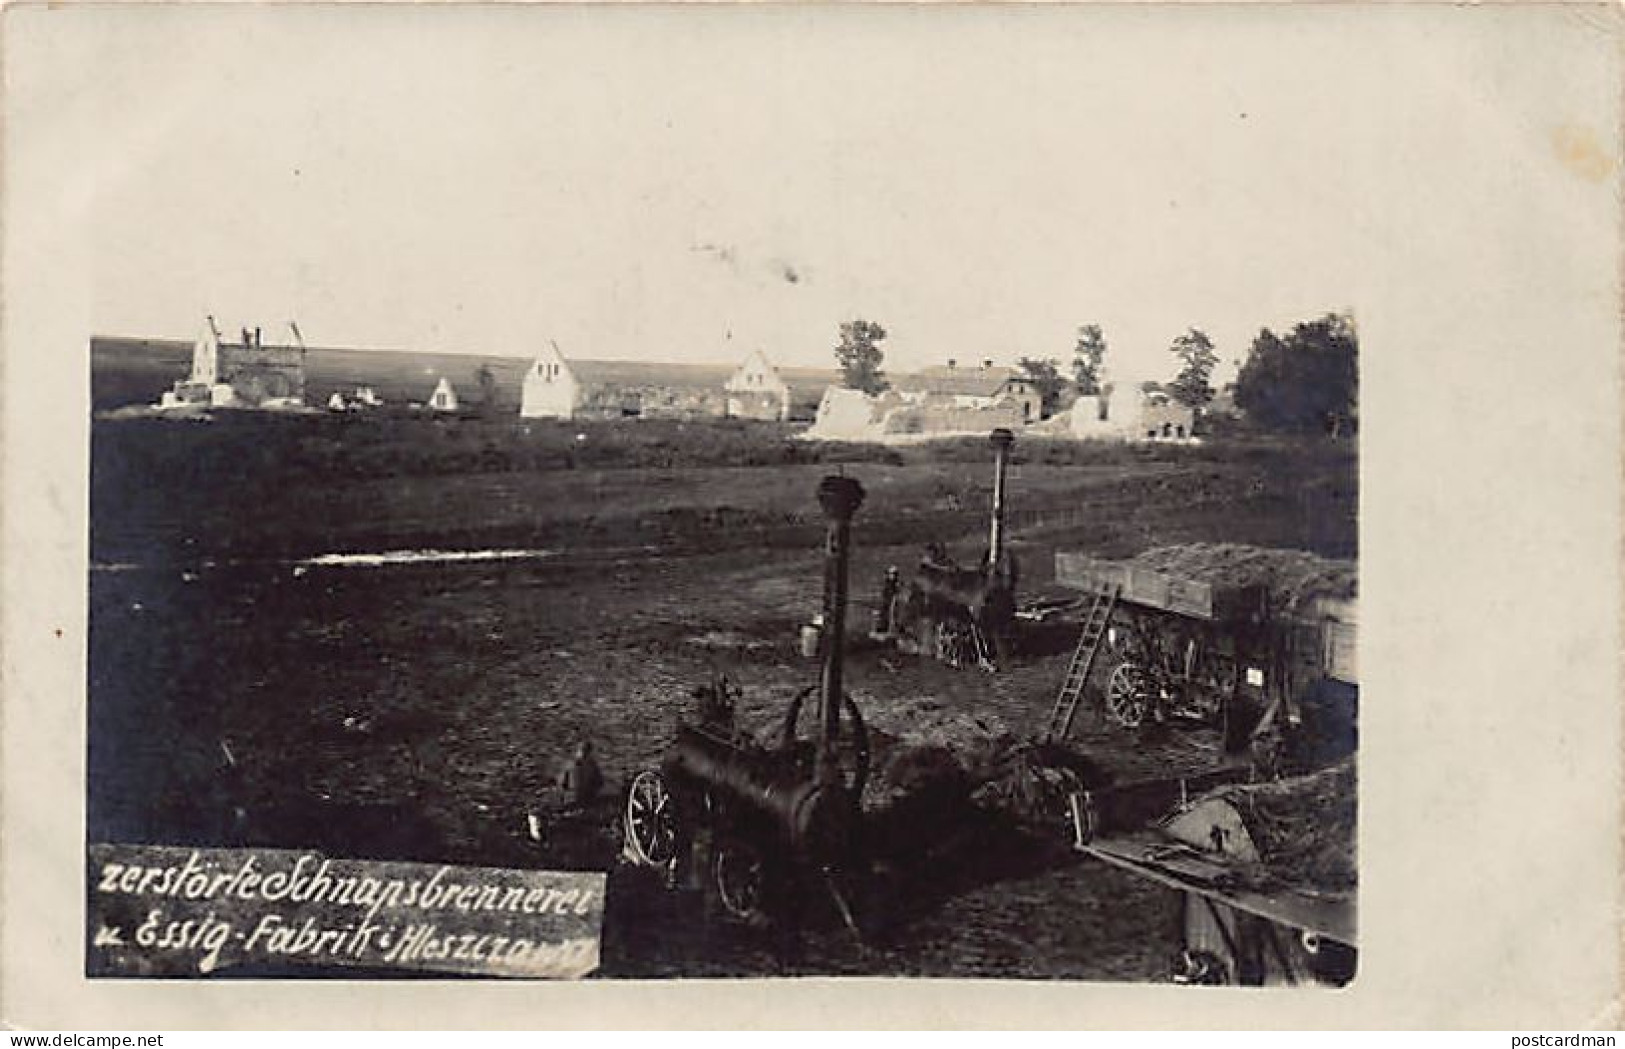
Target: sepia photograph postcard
811	515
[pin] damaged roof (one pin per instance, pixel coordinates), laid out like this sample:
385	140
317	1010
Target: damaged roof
647	373
958	382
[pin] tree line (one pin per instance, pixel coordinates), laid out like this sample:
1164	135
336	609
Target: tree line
1305	380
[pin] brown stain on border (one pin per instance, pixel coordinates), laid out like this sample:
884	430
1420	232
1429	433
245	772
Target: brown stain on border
1579	149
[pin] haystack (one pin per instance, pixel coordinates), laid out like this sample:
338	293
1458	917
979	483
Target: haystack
1304	827
926	721
1290	578
1032	783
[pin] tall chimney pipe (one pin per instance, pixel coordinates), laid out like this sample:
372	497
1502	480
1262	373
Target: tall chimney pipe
1002	440
840	498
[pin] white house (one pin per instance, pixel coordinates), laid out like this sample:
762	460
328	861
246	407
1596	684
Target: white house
550	390
444	398
556	387
761	390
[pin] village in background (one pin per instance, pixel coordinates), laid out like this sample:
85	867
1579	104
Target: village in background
857	401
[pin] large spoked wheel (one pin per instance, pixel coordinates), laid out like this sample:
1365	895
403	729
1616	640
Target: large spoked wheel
1126	695
740	878
651	822
853	739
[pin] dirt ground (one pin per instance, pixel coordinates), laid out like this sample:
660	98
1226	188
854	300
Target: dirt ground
419	711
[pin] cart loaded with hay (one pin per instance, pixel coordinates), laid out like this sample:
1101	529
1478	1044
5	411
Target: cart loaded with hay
1259	642
1265	871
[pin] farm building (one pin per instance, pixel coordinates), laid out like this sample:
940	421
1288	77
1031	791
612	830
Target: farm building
242	374
931	402
1128	413
556	387
971	387
762	390
444	397
852	415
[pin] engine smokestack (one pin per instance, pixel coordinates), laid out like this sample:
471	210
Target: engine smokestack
1002	440
840	498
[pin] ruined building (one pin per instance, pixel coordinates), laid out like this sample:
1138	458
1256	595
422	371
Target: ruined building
1127	412
242	374
760	389
933	402
557	387
954	385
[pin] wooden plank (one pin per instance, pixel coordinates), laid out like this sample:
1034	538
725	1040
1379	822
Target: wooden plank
1140	586
1331	917
1135	805
1082	572
1147	587
1342	652
1190	597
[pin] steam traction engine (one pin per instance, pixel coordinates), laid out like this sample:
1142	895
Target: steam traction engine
762	821
955	614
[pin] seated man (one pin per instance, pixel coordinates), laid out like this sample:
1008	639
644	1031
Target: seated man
581	779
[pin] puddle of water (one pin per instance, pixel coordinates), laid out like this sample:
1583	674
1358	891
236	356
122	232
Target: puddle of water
422	557
373	560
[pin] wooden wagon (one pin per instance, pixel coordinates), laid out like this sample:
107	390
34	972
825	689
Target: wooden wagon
1159	646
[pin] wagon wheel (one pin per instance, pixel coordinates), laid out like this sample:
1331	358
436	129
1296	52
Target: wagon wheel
1202	968
1125	695
741	878
651	823
854	733
949	645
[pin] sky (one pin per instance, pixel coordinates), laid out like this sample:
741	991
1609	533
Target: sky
693	185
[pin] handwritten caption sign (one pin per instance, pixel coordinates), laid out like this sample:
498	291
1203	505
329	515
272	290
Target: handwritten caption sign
157	910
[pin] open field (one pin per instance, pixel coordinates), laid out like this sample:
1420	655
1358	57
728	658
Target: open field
416	711
177	489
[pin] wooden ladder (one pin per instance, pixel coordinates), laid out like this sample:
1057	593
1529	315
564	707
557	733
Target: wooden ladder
1083	660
